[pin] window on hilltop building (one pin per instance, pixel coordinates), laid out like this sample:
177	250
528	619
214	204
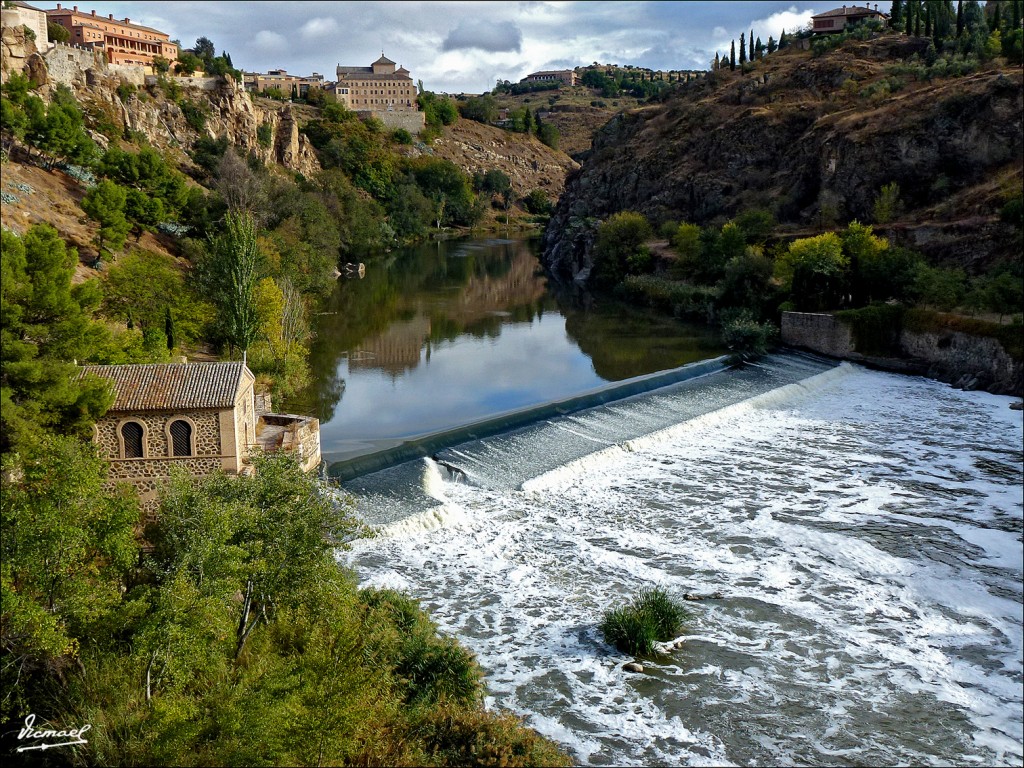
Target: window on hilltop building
131	434
181	438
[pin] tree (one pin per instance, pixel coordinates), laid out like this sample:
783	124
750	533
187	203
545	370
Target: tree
105	204
783	41
959	19
732	56
887	204
205	49
759	48
57	33
896	14
66	549
743	47
45	324
772	46
229	275
814	271
620	249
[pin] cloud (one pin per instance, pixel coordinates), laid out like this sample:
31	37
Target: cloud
484	36
266	41
789	20
319	27
720	32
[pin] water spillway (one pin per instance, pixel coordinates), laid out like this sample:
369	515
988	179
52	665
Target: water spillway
863	529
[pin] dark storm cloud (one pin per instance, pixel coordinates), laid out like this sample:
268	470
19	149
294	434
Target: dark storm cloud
485	36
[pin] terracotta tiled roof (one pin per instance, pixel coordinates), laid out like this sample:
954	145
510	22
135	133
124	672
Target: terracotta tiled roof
383	60
848	10
173	386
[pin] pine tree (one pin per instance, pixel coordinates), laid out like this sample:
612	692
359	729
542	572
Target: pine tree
732	56
928	22
772	47
105	203
996	20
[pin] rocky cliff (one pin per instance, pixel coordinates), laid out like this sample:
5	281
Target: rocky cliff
812	139
229	111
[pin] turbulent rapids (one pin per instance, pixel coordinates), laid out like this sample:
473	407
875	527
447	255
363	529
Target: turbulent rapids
864	530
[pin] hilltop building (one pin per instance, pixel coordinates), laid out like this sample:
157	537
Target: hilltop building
838	19
258	82
382	90
120	41
201	416
563	76
19	14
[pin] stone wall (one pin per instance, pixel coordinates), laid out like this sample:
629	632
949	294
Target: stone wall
820	333
206	433
131	73
23	17
965	360
67	64
413	122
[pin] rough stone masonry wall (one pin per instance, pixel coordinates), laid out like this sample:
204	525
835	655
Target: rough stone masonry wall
308	437
67	64
820	333
413	122
206	437
973	362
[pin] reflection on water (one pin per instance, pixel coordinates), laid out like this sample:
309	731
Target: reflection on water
444	334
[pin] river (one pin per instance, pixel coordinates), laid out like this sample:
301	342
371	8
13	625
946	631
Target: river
863	529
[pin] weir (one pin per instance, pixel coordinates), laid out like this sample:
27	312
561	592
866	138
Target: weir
417	493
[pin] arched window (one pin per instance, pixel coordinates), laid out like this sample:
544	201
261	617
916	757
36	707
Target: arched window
131	434
181	438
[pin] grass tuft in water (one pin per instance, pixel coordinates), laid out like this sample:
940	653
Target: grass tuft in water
650	617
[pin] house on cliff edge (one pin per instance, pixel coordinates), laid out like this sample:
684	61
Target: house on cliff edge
201	416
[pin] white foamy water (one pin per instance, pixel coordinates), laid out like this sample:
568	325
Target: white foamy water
864	529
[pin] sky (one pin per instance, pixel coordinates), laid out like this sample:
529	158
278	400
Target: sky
465	46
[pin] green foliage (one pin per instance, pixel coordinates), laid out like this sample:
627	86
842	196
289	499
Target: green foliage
195	114
620	249
142	286
814	270
401	136
57	33
756	225
437	111
265	135
228	276
887	204
920	320
683	300
939	288
66	546
651	616
482	109
537	203
105	204
493	182
44	324
745	337
747	281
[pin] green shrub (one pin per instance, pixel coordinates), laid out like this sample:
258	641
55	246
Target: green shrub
691	302
652	616
876	328
745	337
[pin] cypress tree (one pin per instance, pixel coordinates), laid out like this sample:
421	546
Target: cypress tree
996	20
959	18
771	44
928	22
759	49
909	17
743	47
169	327
1016	15
750	43
732	56
783	42
917	21
896	18
717	61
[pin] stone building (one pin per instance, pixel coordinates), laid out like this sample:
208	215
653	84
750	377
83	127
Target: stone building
838	19
383	91
201	416
121	41
258	82
19	14
561	76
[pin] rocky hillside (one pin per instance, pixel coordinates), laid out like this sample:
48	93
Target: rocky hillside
529	164
813	140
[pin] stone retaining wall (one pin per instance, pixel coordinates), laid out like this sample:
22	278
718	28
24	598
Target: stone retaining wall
67	64
965	360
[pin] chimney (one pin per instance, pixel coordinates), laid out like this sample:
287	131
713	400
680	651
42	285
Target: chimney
58	6
127	20
94	13
76	9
